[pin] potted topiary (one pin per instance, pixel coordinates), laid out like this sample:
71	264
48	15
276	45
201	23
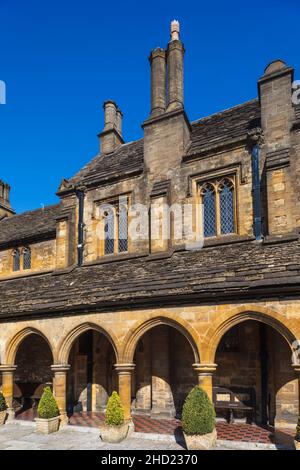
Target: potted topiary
115	428
3	408
48	413
297	437
198	421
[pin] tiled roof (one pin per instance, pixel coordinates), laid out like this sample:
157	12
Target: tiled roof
221	127
246	269
209	131
29	224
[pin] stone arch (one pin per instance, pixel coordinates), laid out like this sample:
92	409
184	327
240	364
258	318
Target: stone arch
16	340
215	333
132	338
66	344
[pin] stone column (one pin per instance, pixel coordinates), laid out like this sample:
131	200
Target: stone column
124	372
205	374
60	390
296	368
8	387
162	397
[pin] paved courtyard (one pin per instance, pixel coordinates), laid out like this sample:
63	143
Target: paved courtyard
22	436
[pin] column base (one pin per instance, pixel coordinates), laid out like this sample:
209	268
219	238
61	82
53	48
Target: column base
10	414
64	420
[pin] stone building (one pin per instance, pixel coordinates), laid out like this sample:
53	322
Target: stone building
91	306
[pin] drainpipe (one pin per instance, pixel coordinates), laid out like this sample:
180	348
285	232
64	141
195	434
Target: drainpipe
256	192
80	197
255	139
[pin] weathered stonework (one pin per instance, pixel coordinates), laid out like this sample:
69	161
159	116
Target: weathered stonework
150	321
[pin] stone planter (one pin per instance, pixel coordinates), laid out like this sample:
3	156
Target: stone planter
47	426
205	442
297	445
2	417
115	434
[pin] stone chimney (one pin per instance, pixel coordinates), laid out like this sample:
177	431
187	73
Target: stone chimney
277	114
167	130
175	53
157	60
5	207
111	136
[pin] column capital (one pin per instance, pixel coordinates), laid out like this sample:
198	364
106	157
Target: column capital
60	367
7	368
127	368
296	368
205	369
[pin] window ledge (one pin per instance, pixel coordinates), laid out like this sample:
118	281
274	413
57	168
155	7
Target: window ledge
227	240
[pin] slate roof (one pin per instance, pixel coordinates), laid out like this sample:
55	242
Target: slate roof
224	126
29	224
234	271
206	132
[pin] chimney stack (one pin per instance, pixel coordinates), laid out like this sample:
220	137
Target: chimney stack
5	207
111	136
175	53
157	60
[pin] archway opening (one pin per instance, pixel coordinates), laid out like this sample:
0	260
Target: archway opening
91	378
254	371
33	373
163	373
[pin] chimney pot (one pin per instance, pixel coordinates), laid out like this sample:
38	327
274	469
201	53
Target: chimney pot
175	29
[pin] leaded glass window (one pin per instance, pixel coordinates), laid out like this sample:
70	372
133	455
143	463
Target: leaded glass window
218	205
109	229
226	208
123	242
16	260
26	258
209	211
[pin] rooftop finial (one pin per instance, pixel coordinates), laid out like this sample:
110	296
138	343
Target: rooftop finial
175	30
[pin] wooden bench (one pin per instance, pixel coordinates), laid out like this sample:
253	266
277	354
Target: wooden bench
233	399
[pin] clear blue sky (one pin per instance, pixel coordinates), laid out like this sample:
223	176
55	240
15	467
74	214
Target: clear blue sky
62	59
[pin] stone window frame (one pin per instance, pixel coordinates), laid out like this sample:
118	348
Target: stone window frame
21	263
216	179
113	201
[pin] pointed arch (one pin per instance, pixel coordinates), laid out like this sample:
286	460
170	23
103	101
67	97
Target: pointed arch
133	336
68	341
14	343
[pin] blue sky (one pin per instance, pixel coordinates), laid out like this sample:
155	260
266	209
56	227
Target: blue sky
61	59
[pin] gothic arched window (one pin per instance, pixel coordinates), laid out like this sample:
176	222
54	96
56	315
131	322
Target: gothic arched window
16	260
26	258
218	199
226	207
209	210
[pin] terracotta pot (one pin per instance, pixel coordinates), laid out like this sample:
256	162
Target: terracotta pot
297	445
2	417
204	442
115	434
47	426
